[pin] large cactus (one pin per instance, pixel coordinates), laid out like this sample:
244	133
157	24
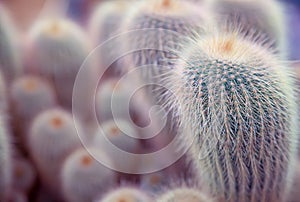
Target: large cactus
238	110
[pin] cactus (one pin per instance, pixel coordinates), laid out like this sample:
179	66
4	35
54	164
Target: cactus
10	59
5	162
115	136
30	95
83	177
153	182
238	109
184	194
254	16
111	98
59	48
24	175
104	24
126	194
171	20
52	138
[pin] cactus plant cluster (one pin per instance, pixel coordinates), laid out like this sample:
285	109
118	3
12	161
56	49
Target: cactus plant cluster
77	127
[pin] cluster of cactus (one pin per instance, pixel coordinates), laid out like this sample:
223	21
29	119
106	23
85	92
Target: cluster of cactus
217	68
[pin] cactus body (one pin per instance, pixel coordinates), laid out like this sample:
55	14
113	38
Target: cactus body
59	48
83	177
104	24
115	136
111	100
238	106
10	61
30	95
126	195
5	162
52	138
24	175
184	194
294	194
253	16
177	17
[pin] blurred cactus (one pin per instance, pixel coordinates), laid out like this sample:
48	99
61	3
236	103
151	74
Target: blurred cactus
184	194
52	138
253	16
111	100
104	24
294	195
5	161
24	175
59	49
30	95
126	194
117	136
10	59
84	178
238	110
164	22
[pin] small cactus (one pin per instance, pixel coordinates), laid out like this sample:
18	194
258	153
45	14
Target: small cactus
52	138
30	95
10	59
24	175
59	48
114	137
238	110
83	177
184	194
126	194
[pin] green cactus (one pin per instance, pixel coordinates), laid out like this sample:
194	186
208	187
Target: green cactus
237	104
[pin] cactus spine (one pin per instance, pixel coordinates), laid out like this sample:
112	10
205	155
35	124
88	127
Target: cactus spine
238	106
254	16
126	194
184	194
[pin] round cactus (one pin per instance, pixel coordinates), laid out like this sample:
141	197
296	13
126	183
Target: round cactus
126	195
52	138
24	175
152	183
116	138
184	194
254	16
59	48
29	96
170	20
111	99
238	110
84	178
10	60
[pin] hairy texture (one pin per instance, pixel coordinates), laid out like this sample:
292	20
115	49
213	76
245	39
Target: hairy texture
184	194
126	194
254	16
237	105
